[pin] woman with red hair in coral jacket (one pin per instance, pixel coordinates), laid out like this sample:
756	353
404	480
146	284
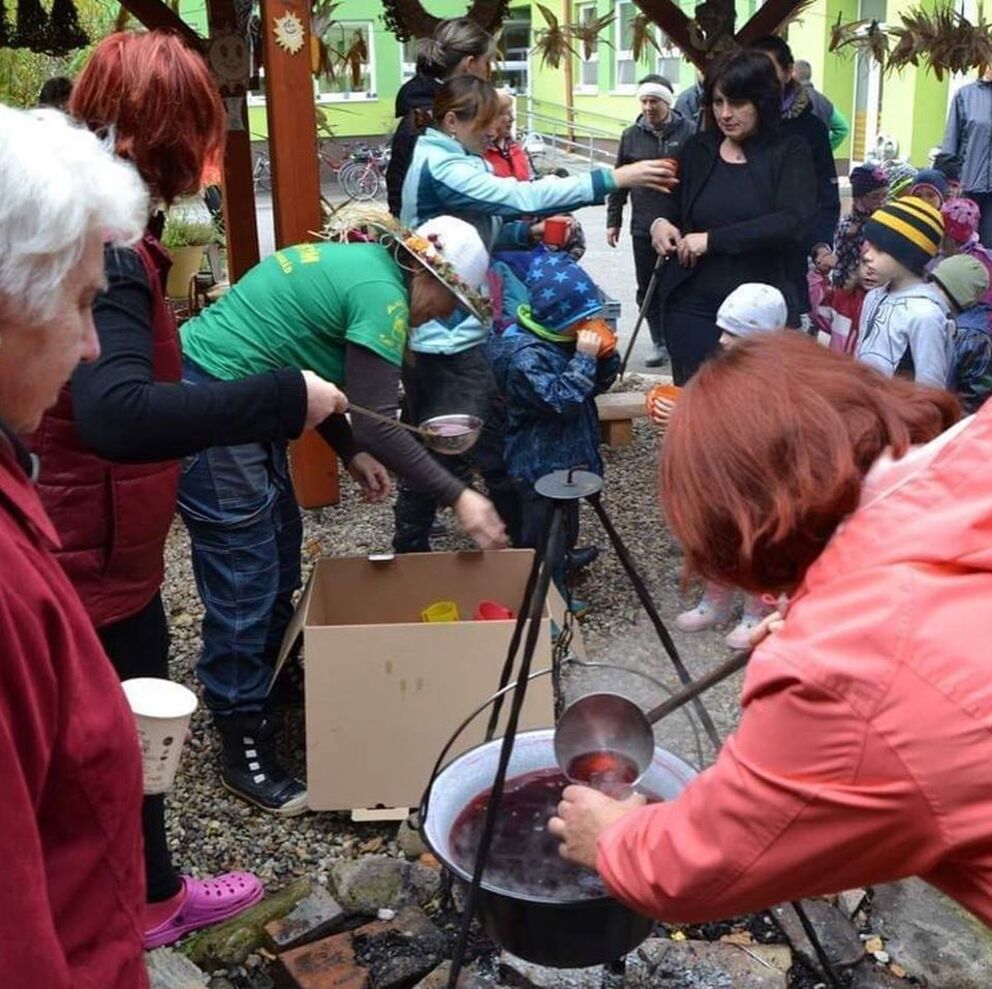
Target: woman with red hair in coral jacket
865	738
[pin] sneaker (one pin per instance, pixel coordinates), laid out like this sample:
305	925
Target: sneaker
251	769
658	358
206	902
581	556
755	612
713	608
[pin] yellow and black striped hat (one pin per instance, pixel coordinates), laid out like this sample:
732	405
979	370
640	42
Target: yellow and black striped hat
908	229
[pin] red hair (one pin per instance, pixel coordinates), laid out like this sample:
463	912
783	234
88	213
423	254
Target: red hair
157	99
767	451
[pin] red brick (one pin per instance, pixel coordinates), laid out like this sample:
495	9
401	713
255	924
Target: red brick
326	964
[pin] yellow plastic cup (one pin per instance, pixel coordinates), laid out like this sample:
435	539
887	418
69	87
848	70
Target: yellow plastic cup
441	611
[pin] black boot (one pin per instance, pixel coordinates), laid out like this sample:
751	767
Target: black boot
250	766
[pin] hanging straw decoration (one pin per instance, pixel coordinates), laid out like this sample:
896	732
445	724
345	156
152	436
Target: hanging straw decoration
64	33
32	22
407	19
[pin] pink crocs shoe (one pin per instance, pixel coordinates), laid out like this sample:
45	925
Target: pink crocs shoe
207	901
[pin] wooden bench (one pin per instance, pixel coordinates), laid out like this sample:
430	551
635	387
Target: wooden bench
617	412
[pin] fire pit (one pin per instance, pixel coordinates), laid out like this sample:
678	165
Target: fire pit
531	907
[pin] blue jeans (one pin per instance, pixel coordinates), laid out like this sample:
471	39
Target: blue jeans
245	529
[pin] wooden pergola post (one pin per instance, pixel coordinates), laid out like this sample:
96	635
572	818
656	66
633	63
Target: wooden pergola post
289	107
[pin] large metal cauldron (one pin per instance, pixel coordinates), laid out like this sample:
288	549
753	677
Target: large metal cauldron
556	933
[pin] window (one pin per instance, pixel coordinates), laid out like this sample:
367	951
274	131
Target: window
352	80
668	62
587	78
408	59
626	67
514	52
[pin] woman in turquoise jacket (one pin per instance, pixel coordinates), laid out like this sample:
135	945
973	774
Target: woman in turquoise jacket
449	175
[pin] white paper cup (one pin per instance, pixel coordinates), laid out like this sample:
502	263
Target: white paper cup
162	710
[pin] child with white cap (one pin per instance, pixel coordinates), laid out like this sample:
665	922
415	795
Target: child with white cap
751	308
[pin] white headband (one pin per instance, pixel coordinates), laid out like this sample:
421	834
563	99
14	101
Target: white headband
657	90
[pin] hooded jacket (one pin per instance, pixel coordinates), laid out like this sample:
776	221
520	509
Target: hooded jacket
414	100
969	135
865	739
908	330
637	143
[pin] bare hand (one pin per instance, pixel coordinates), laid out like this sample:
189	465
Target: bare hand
770	624
665	237
583	815
372	477
660	413
479	519
651	173
692	247
323	399
588	342
612	236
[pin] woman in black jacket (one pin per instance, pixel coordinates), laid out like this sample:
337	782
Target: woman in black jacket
745	201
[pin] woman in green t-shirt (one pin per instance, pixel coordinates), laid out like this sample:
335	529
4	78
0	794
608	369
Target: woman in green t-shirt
343	310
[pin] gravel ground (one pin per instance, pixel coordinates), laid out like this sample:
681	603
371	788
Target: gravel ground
211	831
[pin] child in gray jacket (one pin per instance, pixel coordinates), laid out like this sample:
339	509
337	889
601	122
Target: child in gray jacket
906	326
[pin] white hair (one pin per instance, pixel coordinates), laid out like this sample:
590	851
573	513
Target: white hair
58	183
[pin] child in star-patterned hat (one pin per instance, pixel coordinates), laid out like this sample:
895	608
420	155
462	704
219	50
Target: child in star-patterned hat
549	366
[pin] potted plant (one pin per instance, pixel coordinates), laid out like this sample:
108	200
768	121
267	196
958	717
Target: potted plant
189	230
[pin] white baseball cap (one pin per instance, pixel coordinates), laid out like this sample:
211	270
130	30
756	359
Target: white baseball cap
752	308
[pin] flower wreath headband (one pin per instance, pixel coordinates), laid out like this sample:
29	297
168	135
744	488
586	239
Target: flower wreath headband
352	222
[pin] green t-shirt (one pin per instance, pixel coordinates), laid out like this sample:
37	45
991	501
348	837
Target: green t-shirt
298	307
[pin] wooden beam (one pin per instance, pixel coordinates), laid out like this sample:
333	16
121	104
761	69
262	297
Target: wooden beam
767	20
155	14
670	18
240	221
289	108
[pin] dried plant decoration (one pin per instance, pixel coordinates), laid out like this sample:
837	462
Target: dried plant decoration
642	36
552	42
407	19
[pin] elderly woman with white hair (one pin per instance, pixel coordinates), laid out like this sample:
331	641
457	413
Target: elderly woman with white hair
71	835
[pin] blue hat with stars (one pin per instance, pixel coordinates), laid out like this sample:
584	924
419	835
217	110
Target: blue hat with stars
561	293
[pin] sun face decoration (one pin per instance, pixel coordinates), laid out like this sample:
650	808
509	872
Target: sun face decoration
289	32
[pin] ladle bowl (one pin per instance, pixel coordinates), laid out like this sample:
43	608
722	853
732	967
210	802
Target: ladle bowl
451	435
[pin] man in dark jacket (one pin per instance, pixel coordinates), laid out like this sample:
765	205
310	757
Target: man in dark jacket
689	105
969	135
658	132
414	100
799	118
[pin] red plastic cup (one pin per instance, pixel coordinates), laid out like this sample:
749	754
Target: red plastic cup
493	611
556	231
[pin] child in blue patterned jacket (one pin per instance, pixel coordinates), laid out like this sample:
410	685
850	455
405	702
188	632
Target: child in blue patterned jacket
550	367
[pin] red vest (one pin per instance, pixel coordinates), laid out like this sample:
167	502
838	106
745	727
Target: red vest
511	163
112	518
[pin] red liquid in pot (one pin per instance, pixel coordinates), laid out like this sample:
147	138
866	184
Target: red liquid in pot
523	857
611	772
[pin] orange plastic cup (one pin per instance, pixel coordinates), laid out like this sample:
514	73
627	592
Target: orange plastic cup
556	231
607	338
672	163
669	393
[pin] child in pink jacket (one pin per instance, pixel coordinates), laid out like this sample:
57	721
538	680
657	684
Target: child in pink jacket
865	738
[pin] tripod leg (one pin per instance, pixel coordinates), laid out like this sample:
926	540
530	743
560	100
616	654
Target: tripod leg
652	612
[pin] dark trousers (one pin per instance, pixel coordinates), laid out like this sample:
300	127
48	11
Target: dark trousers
691	339
984	200
442	384
534	513
138	646
645	259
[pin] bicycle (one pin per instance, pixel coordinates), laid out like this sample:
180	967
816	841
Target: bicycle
261	173
361	172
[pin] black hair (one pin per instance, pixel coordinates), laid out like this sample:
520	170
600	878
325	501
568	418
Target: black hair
749	76
772	44
949	165
55	92
654	77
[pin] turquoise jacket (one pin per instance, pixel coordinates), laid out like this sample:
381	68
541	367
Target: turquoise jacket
445	179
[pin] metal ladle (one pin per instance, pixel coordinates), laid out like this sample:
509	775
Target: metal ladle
429	432
606	722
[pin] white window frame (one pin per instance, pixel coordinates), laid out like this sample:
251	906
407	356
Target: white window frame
581	87
663	55
518	65
370	95
407	69
622	54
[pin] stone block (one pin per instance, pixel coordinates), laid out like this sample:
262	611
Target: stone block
326	964
316	916
168	969
663	964
399	951
836	933
367	884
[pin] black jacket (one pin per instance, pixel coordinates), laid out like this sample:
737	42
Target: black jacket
638	143
781	168
415	98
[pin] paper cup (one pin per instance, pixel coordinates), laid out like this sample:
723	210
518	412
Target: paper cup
162	710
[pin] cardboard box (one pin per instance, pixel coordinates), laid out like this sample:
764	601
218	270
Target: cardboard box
385	690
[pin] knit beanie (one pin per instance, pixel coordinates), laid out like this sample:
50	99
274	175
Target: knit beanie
908	229
932	178
867	178
964	278
961	219
561	293
752	308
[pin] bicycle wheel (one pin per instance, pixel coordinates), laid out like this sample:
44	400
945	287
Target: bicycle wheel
262	174
359	180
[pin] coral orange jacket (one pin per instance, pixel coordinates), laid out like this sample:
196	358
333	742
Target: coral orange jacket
864	751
